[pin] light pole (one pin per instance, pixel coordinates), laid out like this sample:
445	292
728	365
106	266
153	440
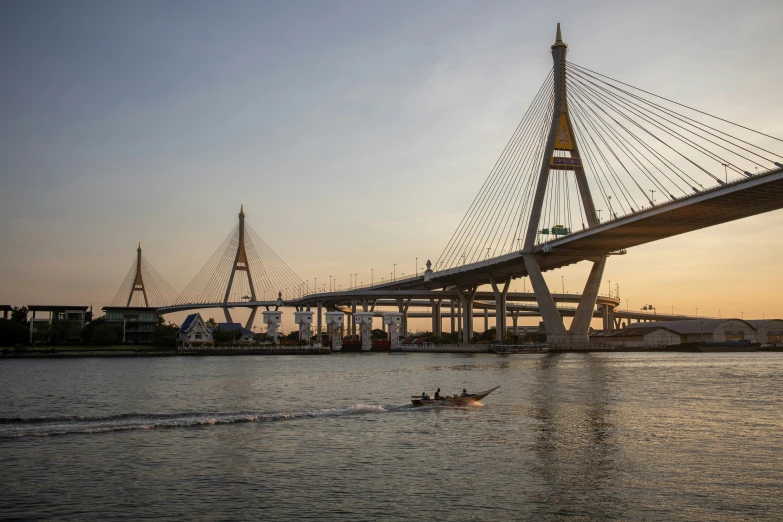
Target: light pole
697	312
372	276
395	272
330	282
599	214
653	196
610	288
315	284
726	171
417	266
562	283
355	278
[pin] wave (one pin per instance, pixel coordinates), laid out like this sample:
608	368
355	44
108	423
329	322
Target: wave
13	427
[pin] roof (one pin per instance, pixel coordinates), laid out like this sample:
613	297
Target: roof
234	326
763	323
56	308
188	321
6	308
130	308
629	332
691	326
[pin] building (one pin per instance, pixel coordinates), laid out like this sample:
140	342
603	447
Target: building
137	324
57	324
705	330
641	337
6	309
194	333
768	331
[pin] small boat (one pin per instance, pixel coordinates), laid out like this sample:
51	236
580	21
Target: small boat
453	400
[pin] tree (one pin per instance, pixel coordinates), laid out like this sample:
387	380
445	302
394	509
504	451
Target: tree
292	337
379	334
211	323
19	314
219	335
488	335
165	335
11	333
67	330
104	334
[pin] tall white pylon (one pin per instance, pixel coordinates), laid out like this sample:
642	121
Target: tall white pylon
138	281
241	262
562	138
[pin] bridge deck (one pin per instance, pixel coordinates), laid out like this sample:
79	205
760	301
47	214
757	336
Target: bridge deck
738	200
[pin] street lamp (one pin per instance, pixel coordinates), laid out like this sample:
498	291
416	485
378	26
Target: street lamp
395	271
562	283
372	276
726	171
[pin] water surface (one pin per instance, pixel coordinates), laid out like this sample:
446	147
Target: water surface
591	436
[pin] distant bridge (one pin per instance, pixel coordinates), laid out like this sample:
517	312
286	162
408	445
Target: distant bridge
535	212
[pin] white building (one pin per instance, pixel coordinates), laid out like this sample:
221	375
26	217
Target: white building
705	330
769	331
194	332
649	336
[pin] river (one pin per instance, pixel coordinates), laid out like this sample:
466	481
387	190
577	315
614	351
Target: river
646	436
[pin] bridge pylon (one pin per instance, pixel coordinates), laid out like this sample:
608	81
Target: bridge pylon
562	153
241	263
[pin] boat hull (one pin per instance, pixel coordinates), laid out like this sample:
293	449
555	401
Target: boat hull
453	401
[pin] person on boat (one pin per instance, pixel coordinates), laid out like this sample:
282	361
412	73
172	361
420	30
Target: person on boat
464	393
425	396
437	393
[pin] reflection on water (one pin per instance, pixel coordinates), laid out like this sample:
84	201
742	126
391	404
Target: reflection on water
591	436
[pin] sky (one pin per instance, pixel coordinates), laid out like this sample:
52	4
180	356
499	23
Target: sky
356	134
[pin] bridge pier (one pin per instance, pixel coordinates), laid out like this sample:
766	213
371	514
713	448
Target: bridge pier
466	297
334	325
305	321
393	321
249	323
272	320
451	316
500	308
364	320
319	325
437	319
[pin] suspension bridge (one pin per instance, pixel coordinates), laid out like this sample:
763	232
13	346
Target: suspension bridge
595	166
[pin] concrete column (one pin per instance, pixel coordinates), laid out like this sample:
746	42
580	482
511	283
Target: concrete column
452	316
393	321
459	316
334	324
486	319
439	322
353	315
305	322
364	320
610	316
272	321
500	308
605	317
249	323
318	323
515	317
467	295
556	332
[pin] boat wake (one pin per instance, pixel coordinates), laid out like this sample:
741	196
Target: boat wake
48	426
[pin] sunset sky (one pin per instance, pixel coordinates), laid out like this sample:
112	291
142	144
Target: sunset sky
356	134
